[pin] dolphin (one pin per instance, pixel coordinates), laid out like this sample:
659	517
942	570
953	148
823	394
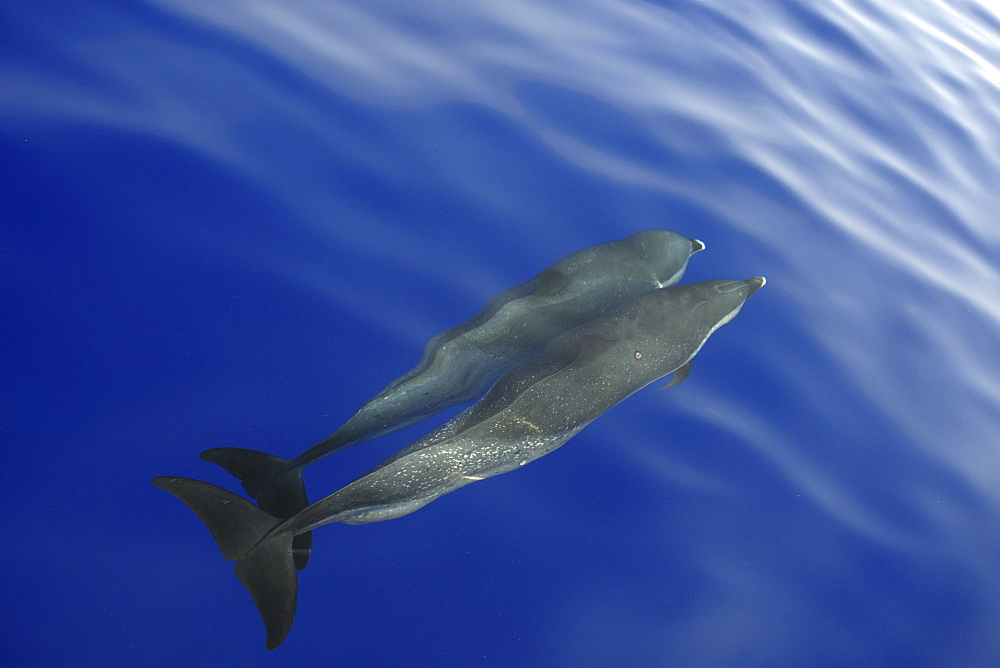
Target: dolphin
460	364
530	411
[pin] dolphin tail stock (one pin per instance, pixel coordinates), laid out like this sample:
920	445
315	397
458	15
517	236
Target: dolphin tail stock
245	534
276	483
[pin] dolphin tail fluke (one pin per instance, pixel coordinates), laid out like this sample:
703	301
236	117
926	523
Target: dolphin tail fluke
258	471
264	560
268	573
275	482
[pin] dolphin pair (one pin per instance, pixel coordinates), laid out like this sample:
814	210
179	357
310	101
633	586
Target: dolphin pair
531	410
460	364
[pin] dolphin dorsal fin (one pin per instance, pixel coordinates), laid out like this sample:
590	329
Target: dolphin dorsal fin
679	375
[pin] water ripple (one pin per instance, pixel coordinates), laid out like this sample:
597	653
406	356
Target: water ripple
397	164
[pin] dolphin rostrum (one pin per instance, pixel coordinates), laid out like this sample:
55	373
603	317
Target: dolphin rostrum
461	363
530	411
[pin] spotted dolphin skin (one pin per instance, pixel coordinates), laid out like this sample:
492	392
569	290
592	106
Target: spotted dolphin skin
530	411
461	363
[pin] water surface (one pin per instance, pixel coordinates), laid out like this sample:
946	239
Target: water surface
232	223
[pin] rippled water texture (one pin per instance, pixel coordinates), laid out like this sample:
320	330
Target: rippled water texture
231	223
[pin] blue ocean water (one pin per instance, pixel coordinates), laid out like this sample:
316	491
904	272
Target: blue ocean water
232	223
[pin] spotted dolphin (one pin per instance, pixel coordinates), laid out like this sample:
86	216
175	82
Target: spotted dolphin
461	363
530	411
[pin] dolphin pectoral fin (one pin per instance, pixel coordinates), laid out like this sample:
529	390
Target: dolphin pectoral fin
679	375
551	282
265	562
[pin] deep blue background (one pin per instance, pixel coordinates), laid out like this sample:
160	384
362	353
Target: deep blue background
232	223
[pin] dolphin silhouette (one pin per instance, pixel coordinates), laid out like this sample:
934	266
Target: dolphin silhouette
530	411
461	363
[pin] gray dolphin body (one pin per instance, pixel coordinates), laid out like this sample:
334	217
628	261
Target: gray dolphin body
461	363
530	411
